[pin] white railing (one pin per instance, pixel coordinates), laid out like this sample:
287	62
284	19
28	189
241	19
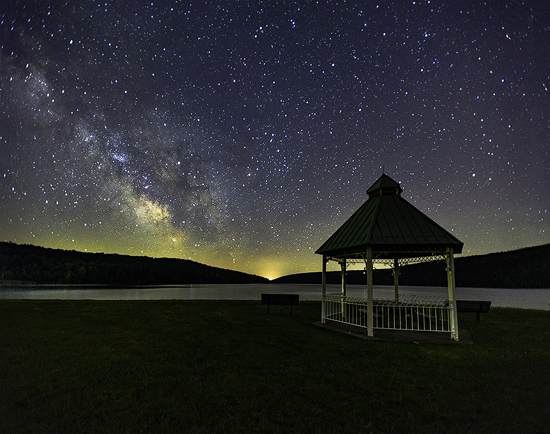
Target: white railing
412	312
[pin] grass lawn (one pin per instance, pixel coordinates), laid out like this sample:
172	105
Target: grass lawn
227	366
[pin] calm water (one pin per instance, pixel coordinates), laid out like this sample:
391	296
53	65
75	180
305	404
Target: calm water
521	298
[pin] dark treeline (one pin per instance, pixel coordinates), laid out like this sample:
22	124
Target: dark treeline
42	265
524	268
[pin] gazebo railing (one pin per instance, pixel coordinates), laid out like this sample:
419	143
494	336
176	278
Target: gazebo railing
410	312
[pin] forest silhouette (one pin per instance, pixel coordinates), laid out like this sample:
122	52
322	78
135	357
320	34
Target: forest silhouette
523	268
28	263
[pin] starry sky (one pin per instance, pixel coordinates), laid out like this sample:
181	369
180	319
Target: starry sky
242	134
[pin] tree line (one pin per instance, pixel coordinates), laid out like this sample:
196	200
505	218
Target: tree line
523	268
30	263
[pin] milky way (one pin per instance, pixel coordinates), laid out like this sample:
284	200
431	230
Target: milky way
243	134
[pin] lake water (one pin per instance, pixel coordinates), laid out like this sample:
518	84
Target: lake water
520	298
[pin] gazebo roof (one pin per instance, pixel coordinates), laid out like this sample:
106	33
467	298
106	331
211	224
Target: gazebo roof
391	226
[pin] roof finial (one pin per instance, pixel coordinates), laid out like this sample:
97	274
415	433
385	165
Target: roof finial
383	169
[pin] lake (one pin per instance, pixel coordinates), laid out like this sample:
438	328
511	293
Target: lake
520	298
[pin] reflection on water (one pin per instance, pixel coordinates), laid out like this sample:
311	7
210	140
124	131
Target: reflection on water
521	298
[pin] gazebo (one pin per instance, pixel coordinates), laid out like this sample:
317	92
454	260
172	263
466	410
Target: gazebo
388	230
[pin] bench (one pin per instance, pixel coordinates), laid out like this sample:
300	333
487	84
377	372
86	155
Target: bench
281	300
473	306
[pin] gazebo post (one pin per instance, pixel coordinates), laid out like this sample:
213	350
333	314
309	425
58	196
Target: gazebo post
370	309
324	283
396	278
343	266
451	287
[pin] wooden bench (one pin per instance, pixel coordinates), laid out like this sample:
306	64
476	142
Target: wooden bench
473	306
281	300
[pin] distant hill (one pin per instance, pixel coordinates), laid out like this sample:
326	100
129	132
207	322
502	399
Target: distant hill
523	268
43	265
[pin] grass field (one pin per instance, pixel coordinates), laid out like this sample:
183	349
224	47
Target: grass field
227	366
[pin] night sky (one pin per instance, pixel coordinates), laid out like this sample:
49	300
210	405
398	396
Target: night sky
242	134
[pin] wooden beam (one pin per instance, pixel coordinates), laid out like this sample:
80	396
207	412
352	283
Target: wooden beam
370	309
324	290
396	278
343	266
451	289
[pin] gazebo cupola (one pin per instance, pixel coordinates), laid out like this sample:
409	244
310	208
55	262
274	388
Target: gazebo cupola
389	230
385	186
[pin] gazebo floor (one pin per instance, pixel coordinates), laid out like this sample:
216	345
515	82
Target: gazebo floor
419	337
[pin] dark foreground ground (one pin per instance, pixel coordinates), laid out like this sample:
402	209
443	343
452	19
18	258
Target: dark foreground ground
228	366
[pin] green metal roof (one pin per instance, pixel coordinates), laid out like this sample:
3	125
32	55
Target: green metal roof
391	226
